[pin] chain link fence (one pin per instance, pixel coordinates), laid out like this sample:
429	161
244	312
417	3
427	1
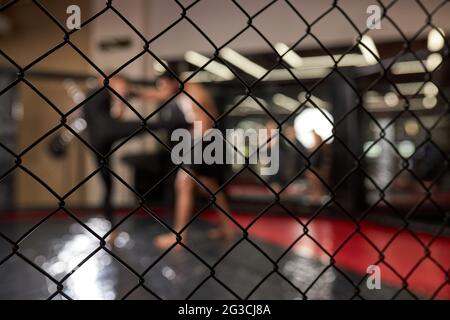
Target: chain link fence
379	74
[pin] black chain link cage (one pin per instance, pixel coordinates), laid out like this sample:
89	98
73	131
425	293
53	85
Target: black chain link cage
349	193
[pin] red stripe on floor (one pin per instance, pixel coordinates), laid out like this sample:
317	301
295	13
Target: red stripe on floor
357	254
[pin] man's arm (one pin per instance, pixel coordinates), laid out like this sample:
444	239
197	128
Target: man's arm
203	107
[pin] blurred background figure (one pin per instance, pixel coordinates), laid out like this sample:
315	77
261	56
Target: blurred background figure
293	166
103	114
290	160
319	176
196	105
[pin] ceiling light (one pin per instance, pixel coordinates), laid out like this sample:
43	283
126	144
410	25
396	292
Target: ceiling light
369	50
434	60
243	63
436	39
429	102
290	56
285	102
430	89
391	99
214	67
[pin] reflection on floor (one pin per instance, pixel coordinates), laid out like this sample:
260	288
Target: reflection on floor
405	253
60	244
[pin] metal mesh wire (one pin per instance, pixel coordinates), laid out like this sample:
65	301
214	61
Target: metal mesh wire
244	231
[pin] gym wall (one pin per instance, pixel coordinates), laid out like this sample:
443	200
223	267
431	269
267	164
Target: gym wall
36	116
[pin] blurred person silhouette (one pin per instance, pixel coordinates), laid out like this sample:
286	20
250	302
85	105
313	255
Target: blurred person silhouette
320	158
103	113
181	112
291	163
290	160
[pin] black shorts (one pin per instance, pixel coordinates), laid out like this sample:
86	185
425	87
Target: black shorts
216	171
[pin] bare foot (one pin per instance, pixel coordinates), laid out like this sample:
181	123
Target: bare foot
112	237
165	241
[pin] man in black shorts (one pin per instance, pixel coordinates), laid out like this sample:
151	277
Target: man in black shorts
182	108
